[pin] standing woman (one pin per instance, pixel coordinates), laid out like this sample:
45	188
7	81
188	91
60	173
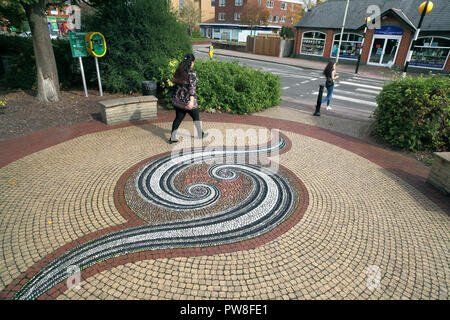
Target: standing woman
185	98
330	73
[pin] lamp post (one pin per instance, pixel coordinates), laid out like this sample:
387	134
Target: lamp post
424	8
362	44
342	31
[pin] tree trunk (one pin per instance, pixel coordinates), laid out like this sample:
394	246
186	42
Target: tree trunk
47	74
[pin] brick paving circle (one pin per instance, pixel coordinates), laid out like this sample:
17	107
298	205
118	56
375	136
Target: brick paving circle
359	213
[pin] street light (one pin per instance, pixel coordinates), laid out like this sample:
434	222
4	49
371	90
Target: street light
366	20
342	31
424	8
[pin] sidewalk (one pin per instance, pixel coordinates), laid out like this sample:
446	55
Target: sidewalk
354	221
364	70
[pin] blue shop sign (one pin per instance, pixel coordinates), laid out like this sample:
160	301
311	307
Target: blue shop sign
389	30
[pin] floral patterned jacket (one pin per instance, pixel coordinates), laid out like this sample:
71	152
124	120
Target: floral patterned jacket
184	91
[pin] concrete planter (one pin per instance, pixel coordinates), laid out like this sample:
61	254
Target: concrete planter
440	172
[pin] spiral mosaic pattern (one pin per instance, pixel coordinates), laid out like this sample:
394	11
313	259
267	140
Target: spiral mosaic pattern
270	199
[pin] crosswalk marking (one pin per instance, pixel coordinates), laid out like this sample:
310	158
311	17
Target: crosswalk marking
369	103
358	94
368	91
361	85
338	97
381	82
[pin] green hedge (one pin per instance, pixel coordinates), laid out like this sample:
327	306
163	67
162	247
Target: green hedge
22	64
229	87
413	113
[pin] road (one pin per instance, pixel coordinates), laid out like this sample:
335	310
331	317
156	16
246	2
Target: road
353	97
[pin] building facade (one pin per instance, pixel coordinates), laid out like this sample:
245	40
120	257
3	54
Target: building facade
229	21
206	8
387	38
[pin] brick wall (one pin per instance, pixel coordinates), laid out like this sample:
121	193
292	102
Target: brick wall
229	9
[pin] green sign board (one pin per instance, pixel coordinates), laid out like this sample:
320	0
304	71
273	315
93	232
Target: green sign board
77	44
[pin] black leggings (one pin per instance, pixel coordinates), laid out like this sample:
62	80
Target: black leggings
181	113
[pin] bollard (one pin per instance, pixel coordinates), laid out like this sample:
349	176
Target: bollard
319	100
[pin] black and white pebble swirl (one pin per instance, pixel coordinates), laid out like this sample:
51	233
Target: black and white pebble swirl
269	203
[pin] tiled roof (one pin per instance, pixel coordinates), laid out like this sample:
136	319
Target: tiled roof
330	14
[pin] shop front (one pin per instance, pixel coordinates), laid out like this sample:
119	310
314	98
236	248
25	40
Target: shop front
385	45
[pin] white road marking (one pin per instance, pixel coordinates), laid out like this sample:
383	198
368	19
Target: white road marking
338	97
370	80
361	85
357	94
368	91
285	88
369	103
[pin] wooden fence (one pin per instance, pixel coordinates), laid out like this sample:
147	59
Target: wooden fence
264	44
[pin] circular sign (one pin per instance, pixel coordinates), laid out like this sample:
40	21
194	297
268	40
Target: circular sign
95	44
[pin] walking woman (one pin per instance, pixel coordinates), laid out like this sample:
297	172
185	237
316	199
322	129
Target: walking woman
185	98
330	73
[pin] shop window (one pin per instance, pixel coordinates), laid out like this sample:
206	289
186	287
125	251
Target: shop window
313	43
430	52
350	44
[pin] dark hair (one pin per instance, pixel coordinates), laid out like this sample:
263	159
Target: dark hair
329	68
182	72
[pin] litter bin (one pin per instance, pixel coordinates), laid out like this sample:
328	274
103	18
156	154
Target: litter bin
149	88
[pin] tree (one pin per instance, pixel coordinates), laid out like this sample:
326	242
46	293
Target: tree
190	14
15	11
287	33
299	12
254	16
144	38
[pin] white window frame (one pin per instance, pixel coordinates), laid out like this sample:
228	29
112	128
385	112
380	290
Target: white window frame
345	33
324	40
432	40
292	20
221	14
236	17
222	3
238	3
275	19
270	18
284	6
283	19
269	4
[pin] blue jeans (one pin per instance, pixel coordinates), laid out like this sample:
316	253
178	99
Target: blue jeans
329	95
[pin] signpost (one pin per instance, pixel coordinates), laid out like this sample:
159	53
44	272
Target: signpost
79	51
96	47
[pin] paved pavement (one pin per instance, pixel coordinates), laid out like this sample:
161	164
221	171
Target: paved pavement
310	212
353	221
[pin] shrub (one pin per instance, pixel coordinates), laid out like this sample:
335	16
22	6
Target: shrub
229	87
413	113
22	65
142	38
